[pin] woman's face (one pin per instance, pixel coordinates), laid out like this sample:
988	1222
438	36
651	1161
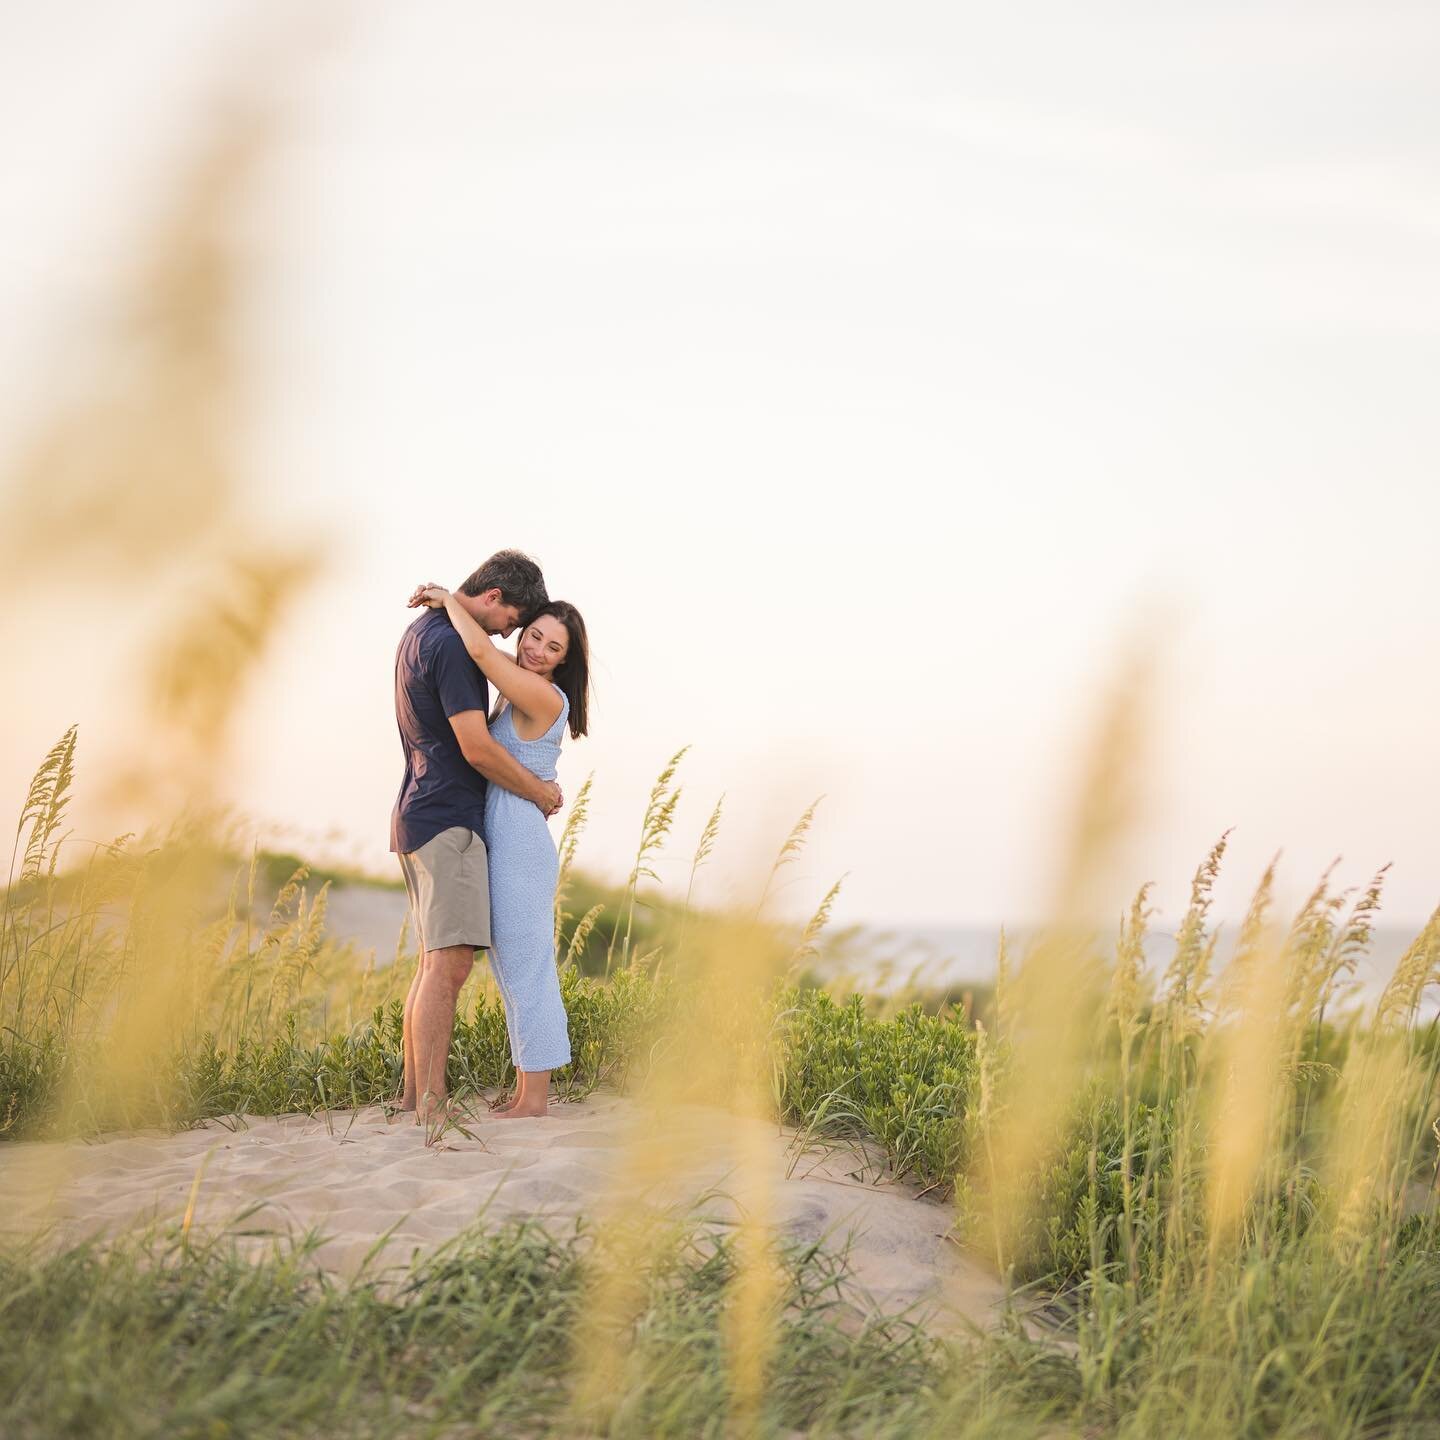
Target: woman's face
543	645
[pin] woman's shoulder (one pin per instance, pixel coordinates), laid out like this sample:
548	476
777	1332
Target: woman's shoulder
558	723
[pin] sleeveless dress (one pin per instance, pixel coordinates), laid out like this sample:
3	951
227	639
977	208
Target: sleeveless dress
524	868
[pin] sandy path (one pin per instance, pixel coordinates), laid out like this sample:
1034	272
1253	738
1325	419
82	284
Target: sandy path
356	1176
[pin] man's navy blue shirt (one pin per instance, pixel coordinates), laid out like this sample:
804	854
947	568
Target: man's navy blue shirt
434	679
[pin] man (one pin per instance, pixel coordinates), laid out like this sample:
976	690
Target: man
437	828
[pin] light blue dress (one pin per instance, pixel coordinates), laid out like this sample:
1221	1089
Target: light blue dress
523	870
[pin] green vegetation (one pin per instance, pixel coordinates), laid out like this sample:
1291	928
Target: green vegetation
474	1341
907	1083
1226	1217
276	868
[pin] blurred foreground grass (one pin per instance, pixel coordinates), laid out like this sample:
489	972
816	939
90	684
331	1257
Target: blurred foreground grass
477	1340
1228	1215
1221	1184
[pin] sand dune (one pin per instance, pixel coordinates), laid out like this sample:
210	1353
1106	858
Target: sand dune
374	1188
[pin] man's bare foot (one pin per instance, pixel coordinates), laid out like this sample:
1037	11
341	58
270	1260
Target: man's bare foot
396	1105
437	1112
527	1111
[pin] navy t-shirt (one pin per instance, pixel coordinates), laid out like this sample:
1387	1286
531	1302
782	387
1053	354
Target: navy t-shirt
434	679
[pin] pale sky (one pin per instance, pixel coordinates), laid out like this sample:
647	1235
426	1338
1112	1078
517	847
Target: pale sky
860	371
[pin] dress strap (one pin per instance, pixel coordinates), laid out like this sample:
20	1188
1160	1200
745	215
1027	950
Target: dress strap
564	714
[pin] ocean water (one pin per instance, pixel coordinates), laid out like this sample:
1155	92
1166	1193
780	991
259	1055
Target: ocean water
881	959
949	957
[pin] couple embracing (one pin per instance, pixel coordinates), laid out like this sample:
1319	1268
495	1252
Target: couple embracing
469	824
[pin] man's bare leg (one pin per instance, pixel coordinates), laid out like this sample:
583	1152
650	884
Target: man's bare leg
408	1090
433	1022
532	1095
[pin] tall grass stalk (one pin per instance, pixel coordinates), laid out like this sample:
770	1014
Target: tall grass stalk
704	848
806	948
575	824
1232	1217
1127	996
789	851
1057	998
655	825
715	1051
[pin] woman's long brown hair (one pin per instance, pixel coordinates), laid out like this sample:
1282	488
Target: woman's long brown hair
572	674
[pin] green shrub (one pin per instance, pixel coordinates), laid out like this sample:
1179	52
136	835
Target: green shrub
905	1083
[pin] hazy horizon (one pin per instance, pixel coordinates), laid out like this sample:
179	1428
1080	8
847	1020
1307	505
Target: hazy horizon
866	384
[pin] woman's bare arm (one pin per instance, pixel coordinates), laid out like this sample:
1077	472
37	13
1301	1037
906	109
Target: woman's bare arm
532	697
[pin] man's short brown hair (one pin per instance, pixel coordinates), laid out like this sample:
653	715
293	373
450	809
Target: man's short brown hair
518	579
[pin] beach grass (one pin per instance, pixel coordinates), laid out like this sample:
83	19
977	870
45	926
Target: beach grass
1212	1191
173	1335
1225	1225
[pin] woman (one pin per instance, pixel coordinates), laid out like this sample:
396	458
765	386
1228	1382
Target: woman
544	686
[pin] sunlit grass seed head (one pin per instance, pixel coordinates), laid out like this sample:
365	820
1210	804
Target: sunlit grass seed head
1055	1003
715	1052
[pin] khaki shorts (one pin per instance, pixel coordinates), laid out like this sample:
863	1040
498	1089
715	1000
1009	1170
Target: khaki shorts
449	884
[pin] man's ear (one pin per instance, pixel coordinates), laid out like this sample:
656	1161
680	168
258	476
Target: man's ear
492	597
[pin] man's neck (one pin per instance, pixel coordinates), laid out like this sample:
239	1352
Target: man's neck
472	605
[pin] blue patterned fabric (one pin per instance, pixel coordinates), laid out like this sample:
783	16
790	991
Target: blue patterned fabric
523	870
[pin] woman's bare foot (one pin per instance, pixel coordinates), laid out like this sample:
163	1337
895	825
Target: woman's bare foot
531	1096
517	1096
